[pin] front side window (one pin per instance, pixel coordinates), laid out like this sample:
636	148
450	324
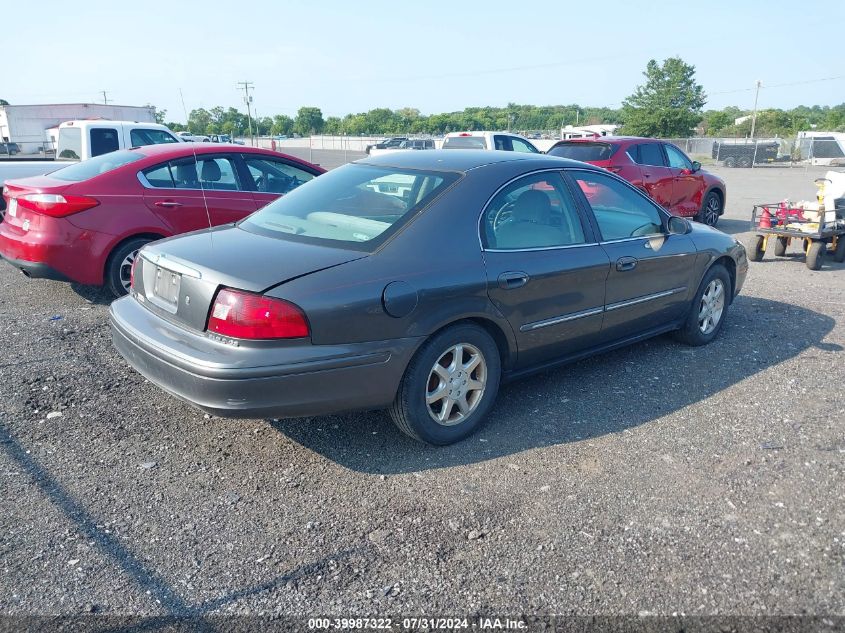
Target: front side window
355	206
620	211
103	141
274	176
96	166
677	158
521	146
651	154
536	211
141	137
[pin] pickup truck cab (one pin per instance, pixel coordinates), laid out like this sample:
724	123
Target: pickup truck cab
506	141
80	140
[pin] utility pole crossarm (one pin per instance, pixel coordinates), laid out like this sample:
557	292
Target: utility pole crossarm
246	86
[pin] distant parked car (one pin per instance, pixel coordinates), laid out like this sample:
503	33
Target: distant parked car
505	141
86	222
417	282
194	138
388	143
413	144
657	168
10	149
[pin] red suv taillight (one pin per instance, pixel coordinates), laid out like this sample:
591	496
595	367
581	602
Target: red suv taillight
55	205
241	314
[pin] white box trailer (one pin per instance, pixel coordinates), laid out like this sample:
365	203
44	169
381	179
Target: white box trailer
28	125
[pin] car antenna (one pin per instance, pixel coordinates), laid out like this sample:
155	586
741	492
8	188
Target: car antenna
196	166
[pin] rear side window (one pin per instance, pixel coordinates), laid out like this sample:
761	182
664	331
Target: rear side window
585	152
140	137
96	166
214	173
160	176
651	154
521	146
103	141
70	143
465	142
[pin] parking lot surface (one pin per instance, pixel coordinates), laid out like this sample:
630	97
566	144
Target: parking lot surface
655	479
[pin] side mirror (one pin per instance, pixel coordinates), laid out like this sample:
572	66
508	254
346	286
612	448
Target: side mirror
678	226
695	166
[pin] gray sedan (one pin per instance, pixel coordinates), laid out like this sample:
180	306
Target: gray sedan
417	282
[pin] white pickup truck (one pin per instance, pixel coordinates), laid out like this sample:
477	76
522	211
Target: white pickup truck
80	140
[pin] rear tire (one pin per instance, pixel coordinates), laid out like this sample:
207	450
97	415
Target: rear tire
709	308
815	254
435	385
780	246
756	249
119	265
730	161
744	162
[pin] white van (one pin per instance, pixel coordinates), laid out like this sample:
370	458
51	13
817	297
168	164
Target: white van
81	140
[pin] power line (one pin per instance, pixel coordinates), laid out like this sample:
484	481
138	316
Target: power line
784	85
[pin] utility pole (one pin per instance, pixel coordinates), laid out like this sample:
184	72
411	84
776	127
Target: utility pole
245	86
754	114
105	98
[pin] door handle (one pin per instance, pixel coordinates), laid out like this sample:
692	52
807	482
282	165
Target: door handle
626	263
509	281
647	175
168	204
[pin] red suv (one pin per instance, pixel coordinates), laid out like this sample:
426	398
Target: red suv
86	222
659	168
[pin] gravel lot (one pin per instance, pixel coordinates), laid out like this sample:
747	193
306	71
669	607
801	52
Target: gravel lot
658	479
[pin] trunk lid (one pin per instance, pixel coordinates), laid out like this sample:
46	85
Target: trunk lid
179	277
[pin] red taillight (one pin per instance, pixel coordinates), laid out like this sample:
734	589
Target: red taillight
242	314
55	205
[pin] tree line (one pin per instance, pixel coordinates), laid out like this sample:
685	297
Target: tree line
668	104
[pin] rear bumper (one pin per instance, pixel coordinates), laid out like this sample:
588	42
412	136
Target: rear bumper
36	270
295	380
53	248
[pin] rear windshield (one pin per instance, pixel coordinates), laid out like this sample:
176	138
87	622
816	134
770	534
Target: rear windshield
464	142
585	152
96	166
356	206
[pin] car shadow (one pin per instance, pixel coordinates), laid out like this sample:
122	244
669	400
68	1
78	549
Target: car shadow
602	395
732	227
97	295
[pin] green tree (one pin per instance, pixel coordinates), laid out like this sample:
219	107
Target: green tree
309	120
4	102
668	104
158	114
282	124
198	121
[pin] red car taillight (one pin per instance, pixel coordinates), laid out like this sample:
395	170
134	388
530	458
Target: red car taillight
242	314
55	205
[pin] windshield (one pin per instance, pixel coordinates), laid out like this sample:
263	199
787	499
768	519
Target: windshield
96	166
585	152
359	206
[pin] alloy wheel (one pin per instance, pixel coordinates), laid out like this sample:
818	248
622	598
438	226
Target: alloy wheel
126	270
456	384
711	212
712	306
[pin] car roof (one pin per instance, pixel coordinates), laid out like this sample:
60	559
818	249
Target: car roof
165	151
465	160
611	139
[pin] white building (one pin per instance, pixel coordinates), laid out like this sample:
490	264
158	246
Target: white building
586	131
28	125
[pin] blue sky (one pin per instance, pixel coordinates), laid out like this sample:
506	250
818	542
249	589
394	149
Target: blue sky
437	56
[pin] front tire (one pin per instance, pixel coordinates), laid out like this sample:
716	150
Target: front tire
449	386
119	265
709	308
780	246
839	252
730	161
744	162
815	254
710	210
757	248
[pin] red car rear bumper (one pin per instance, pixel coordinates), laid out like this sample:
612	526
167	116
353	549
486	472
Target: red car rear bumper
52	248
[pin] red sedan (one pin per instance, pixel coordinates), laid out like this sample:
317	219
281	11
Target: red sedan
656	167
86	222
